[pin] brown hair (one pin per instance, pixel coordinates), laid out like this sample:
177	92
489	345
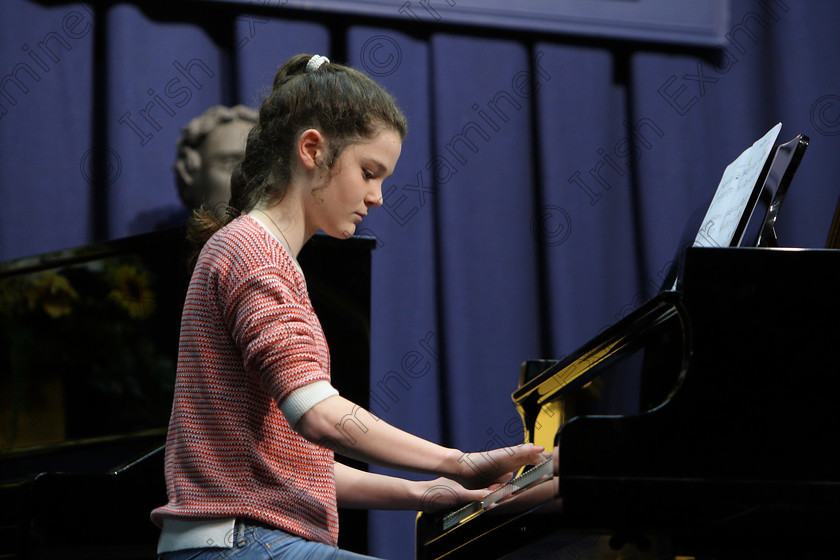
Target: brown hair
342	103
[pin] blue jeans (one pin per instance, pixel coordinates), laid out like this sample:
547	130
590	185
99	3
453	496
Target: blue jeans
258	542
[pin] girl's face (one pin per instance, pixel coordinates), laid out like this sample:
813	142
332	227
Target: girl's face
354	184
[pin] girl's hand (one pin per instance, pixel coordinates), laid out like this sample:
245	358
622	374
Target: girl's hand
445	494
485	468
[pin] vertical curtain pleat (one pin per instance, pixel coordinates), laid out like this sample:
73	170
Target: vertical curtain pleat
483	139
160	75
45	127
587	215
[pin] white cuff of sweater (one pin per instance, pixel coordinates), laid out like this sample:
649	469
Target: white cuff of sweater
303	398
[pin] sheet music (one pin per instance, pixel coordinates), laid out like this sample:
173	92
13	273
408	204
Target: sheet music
733	193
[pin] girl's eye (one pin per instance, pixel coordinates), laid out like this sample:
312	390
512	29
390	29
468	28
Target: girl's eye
368	174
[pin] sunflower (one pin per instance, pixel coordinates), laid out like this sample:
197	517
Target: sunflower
131	292
52	293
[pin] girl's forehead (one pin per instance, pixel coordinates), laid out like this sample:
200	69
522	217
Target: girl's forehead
384	148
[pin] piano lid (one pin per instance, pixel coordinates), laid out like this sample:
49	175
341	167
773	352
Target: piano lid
88	340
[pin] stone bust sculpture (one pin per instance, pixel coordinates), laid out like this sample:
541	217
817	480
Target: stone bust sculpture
209	147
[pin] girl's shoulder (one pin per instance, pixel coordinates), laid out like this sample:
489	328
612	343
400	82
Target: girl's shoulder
244	247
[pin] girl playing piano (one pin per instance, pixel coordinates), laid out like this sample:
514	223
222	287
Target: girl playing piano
255	421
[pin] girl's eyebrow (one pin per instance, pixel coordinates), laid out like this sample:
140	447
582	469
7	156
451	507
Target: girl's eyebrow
380	167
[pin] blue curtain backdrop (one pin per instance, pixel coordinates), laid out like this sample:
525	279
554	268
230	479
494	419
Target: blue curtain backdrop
542	191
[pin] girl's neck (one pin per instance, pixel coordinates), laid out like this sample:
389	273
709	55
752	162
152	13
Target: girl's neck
288	226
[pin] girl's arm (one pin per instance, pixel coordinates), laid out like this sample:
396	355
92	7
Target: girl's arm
352	431
365	490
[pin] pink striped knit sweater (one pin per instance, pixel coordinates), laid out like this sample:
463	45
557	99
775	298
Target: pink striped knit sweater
249	337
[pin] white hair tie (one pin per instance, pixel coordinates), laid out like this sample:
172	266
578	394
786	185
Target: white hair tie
315	62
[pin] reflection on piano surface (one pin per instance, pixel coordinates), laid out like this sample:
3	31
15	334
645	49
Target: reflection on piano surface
88	339
732	453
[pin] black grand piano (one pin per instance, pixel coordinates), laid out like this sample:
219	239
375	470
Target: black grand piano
733	452
88	341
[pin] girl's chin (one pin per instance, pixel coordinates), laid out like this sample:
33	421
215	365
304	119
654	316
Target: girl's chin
344	233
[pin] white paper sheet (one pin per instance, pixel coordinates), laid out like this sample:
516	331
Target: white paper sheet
730	200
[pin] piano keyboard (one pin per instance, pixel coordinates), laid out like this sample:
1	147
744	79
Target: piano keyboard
511	487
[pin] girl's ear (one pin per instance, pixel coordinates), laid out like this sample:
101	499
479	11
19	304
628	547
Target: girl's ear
311	148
